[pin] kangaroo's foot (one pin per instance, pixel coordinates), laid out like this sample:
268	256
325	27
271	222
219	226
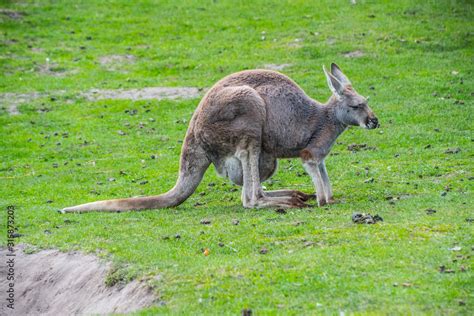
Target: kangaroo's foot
277	201
324	201
290	193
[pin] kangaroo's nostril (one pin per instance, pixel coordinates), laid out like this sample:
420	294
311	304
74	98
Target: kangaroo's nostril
373	123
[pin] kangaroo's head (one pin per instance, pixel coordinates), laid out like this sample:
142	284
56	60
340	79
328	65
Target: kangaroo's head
350	107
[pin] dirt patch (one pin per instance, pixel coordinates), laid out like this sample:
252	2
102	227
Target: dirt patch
354	54
111	59
51	282
276	67
158	93
331	40
15	15
296	43
115	62
11	101
53	69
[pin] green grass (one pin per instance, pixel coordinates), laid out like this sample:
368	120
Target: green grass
417	63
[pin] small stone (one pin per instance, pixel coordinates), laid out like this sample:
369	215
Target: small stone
362	218
442	269
177	236
49	201
235	222
263	251
281	211
246	312
205	221
430	211
452	150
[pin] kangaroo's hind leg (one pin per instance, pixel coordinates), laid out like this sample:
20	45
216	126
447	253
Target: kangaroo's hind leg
252	191
231	168
267	166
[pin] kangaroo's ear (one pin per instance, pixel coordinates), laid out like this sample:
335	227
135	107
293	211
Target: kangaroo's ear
337	72
335	85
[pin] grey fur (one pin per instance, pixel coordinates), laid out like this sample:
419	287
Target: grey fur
244	123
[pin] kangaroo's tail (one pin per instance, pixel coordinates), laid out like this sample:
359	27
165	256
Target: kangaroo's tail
193	164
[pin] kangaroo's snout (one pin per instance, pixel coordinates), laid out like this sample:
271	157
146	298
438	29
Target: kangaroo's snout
372	122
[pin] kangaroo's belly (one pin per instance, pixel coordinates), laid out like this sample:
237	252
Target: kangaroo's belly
231	168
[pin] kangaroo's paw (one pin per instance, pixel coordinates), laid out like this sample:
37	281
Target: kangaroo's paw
290	193
303	196
323	201
280	202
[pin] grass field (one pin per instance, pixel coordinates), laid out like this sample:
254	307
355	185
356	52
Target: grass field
413	58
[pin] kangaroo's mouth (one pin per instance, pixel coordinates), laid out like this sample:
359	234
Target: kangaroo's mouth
372	123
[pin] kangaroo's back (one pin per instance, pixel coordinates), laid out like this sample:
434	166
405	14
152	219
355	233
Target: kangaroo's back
289	111
287	126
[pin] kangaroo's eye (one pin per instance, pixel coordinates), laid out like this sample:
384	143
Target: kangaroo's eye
354	106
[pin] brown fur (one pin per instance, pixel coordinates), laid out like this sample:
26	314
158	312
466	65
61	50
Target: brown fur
243	124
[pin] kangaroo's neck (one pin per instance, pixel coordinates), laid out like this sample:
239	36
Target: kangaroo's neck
327	127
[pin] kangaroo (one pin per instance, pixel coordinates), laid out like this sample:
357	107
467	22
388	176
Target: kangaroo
243	124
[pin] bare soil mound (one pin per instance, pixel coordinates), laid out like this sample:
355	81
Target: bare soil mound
51	282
